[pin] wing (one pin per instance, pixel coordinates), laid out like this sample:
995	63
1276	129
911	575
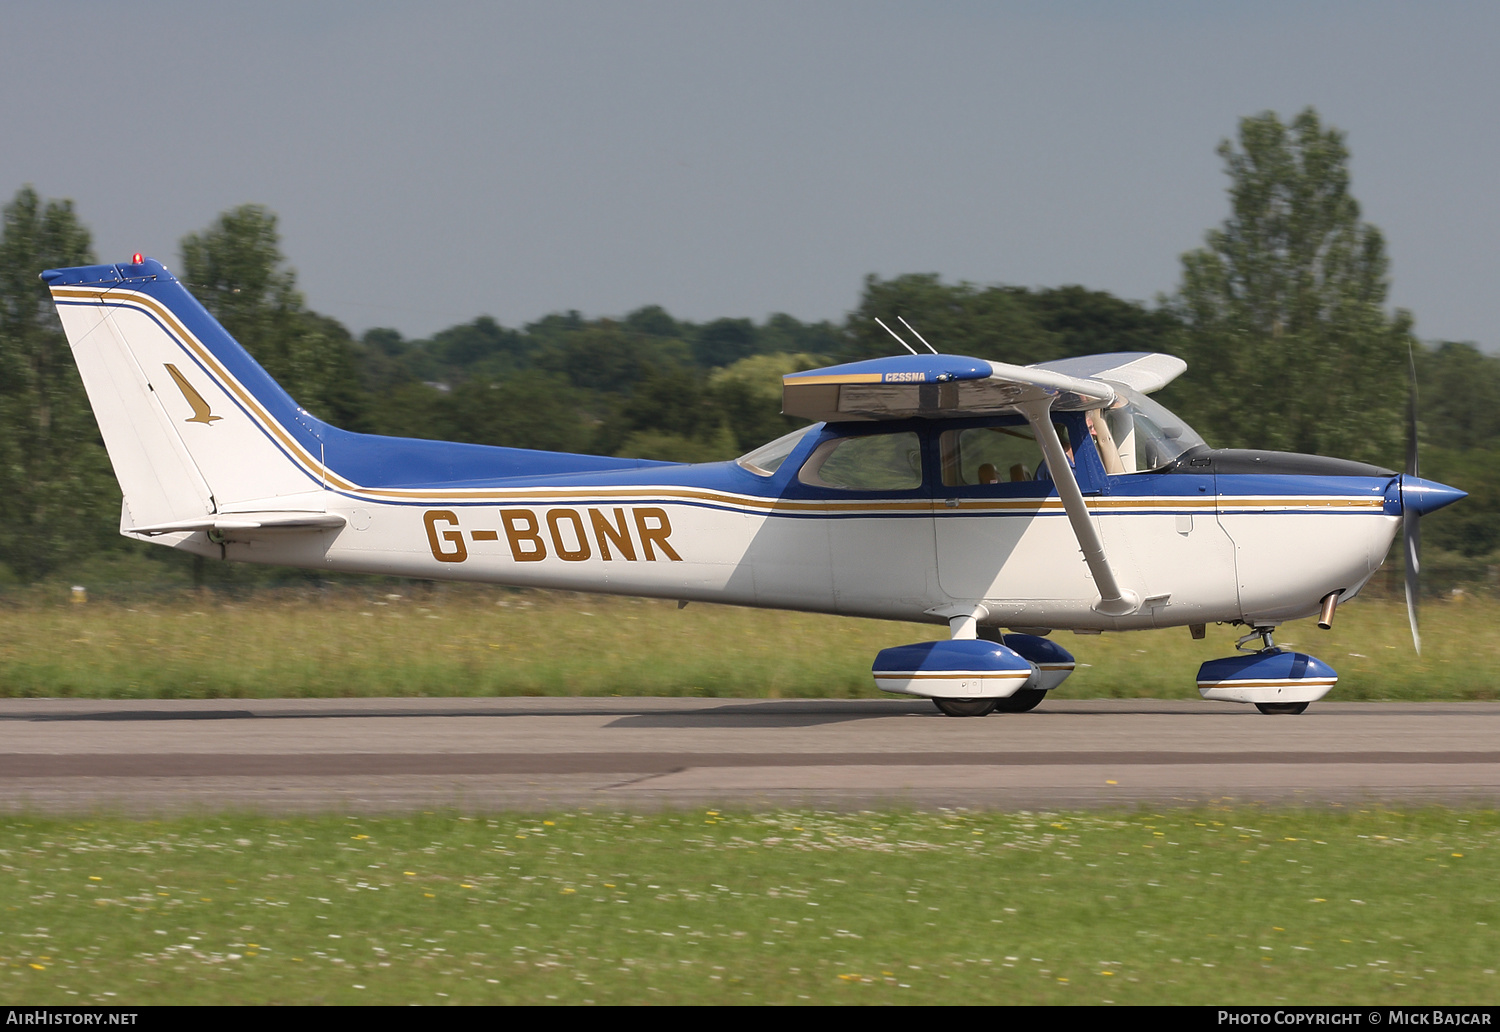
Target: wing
934	387
1144	371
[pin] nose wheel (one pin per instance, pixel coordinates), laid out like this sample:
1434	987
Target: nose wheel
1289	708
964	707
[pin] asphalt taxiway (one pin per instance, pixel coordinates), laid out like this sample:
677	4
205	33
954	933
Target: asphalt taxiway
391	755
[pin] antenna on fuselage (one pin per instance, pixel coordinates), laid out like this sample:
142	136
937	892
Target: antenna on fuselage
893	333
913	329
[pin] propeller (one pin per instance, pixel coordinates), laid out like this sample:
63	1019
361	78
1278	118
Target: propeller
1411	517
1418	498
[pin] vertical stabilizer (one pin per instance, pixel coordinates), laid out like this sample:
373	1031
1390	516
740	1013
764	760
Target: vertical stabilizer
192	424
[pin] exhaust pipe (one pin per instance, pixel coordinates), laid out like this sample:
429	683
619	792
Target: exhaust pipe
1330	603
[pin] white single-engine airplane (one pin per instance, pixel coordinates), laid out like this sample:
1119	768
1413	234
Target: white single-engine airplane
933	488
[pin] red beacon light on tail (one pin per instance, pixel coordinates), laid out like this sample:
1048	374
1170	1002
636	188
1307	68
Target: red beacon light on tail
137	259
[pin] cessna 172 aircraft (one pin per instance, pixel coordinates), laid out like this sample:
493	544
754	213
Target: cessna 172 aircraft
932	487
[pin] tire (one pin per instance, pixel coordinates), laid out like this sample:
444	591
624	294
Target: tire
1288	708
1023	701
964	707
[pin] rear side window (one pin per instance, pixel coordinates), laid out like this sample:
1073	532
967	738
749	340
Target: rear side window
873	462
767	459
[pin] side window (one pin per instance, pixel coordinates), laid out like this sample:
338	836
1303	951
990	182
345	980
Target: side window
873	462
990	455
767	459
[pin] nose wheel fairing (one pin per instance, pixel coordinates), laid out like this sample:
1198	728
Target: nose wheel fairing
1274	677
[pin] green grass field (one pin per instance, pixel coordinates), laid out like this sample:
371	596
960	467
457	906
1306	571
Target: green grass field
1212	906
470	641
1202	906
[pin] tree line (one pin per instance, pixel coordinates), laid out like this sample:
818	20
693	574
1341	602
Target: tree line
1281	317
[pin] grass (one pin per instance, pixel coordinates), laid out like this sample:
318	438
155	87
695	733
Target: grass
1208	906
483	642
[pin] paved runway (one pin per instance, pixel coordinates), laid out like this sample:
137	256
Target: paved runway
383	755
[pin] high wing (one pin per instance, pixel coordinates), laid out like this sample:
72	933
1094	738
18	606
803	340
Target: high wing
1143	371
932	387
954	386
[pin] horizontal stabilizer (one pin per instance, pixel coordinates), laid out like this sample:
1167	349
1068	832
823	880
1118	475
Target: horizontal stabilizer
243	521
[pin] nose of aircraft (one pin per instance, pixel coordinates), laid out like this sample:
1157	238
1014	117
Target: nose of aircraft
1423	496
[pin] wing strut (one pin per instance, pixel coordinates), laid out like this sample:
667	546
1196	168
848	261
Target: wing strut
1113	599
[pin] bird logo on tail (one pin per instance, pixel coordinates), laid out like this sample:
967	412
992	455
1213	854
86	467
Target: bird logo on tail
201	412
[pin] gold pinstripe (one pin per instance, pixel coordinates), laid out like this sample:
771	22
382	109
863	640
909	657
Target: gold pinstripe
795	380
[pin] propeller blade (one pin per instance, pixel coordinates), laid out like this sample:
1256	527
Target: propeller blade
1411	529
1411	526
1411	418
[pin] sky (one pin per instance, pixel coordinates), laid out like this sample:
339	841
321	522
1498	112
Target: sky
431	162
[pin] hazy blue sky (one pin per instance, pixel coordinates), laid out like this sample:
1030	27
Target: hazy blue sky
431	162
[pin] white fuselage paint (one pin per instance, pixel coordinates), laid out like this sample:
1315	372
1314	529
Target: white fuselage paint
1023	566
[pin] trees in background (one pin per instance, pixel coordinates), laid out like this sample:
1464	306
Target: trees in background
993	322
235	268
58	496
1018	325
1287	338
1461	445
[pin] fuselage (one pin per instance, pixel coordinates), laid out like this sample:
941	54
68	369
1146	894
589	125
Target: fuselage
1198	545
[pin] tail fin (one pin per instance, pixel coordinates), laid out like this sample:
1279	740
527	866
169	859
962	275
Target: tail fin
192	424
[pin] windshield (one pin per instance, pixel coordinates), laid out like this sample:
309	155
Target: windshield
1147	434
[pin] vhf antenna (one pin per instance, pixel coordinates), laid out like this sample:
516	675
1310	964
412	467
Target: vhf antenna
893	333
913	329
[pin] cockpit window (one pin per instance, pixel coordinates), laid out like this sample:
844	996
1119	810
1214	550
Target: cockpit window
767	459
1147	434
871	462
